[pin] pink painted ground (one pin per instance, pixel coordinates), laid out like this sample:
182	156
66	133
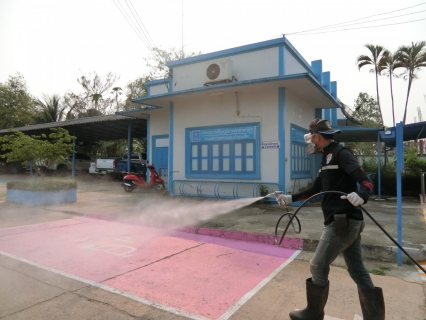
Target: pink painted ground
197	274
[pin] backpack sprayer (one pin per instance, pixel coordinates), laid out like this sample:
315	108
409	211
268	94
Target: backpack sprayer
275	194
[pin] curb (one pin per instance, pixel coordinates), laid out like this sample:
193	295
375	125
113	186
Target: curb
371	252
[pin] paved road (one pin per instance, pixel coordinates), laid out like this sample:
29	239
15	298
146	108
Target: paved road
113	255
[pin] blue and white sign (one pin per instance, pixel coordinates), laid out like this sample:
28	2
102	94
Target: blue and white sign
223	134
270	145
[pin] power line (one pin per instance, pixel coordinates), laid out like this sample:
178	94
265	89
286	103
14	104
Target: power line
141	25
340	23
351	24
132	25
383	25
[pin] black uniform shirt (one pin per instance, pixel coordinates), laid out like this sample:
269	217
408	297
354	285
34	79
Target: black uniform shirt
339	171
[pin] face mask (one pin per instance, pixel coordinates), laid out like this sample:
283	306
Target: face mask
311	148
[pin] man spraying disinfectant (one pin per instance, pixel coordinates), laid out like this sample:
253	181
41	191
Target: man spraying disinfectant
343	220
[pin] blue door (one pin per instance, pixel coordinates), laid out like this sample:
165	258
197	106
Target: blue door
161	161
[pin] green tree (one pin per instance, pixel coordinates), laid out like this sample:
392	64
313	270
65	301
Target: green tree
374	60
49	110
40	150
135	89
96	90
412	58
389	63
17	106
368	114
158	61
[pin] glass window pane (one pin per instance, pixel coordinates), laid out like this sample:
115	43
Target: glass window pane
215	164
249	149
237	148
226	150
238	164
249	164
204	164
225	164
194	165
204	150
215	150
195	150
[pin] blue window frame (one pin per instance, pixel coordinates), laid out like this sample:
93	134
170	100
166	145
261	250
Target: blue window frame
229	151
301	162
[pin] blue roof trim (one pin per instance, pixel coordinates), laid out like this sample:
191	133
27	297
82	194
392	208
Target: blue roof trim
146	108
221	85
243	49
309	76
159	81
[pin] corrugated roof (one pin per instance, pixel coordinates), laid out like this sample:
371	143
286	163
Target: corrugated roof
92	129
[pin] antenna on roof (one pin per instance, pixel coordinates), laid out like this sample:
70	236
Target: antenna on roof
349	113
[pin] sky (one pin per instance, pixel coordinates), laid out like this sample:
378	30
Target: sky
51	43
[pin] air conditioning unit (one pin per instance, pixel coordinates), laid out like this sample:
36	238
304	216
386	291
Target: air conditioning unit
219	71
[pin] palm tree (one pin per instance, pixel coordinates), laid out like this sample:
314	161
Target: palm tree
51	111
95	98
374	61
412	58
117	92
390	62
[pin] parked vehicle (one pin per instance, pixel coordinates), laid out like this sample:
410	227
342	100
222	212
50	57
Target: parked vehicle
11	167
138	162
132	181
105	165
82	163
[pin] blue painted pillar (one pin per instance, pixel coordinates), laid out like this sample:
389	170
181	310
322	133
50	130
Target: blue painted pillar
379	180
281	139
171	145
333	89
326	80
73	156
317	67
399	168
129	145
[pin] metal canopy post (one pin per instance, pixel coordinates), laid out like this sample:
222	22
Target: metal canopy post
399	168
73	155
379	179
129	145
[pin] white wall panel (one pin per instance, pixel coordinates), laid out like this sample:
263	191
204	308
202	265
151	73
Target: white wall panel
292	66
158	89
251	65
300	113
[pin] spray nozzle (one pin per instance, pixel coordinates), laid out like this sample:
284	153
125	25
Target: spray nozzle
274	194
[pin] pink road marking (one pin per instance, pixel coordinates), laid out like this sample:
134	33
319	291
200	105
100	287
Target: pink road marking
188	274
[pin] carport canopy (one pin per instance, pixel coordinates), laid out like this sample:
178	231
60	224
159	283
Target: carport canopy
93	129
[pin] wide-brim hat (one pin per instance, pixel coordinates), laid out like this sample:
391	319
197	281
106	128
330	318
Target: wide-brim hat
322	126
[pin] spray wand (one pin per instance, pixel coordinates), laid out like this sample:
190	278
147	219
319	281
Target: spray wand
275	194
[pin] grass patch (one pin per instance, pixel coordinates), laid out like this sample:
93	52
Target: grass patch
43	184
380	271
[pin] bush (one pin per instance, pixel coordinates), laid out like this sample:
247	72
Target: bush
44	184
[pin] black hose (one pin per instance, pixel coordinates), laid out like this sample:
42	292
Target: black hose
292	216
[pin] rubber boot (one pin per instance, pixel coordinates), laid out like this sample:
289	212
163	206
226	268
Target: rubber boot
372	303
317	298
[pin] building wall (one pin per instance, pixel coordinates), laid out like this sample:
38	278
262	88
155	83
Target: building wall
299	113
254	107
220	110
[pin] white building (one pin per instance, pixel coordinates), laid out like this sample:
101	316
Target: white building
230	121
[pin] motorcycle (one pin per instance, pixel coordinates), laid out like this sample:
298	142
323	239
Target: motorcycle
132	181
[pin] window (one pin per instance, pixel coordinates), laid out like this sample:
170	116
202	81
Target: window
223	152
301	161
